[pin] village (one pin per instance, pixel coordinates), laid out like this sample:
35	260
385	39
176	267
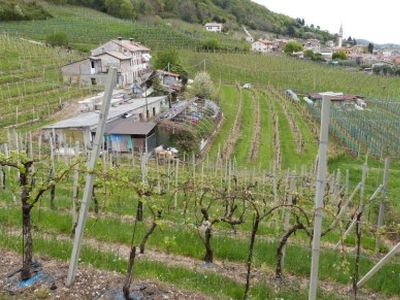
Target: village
135	113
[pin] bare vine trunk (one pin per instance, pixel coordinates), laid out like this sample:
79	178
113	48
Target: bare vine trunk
52	192
3	179
279	252
26	230
209	256
52	197
148	234
129	275
358	251
250	254
139	211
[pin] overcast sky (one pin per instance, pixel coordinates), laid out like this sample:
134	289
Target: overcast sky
373	21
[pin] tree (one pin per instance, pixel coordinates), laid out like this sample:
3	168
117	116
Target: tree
292	46
165	58
339	55
309	54
371	48
202	85
169	60
126	10
120	8
211	44
290	31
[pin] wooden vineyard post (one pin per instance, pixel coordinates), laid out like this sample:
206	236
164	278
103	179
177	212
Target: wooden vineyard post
319	196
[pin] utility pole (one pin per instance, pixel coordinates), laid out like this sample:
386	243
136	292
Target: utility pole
90	176
319	196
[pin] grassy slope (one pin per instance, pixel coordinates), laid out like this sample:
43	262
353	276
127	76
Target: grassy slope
242	148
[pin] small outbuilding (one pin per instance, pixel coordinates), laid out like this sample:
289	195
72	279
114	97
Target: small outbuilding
125	135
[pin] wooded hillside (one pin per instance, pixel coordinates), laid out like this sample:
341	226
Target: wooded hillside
233	14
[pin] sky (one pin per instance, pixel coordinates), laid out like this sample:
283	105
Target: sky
373	21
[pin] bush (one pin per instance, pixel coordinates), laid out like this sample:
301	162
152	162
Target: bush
57	39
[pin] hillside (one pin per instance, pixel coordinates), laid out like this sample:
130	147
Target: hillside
233	14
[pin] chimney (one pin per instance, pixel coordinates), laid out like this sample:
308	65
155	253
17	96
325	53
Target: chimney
119	38
131	40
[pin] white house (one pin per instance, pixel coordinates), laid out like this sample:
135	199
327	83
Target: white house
213	27
262	45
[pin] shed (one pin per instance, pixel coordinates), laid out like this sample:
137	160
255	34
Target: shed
125	135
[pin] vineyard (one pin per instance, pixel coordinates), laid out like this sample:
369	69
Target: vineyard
199	211
88	28
236	224
30	86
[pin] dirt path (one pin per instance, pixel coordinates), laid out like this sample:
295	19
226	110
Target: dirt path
91	283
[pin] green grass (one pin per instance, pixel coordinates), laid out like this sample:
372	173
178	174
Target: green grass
187	243
296	261
265	155
228	103
243	145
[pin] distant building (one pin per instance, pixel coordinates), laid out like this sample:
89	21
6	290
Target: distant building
171	81
313	45
263	46
131	59
326	53
213	27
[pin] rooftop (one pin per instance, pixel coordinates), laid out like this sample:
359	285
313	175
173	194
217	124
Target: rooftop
91	119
